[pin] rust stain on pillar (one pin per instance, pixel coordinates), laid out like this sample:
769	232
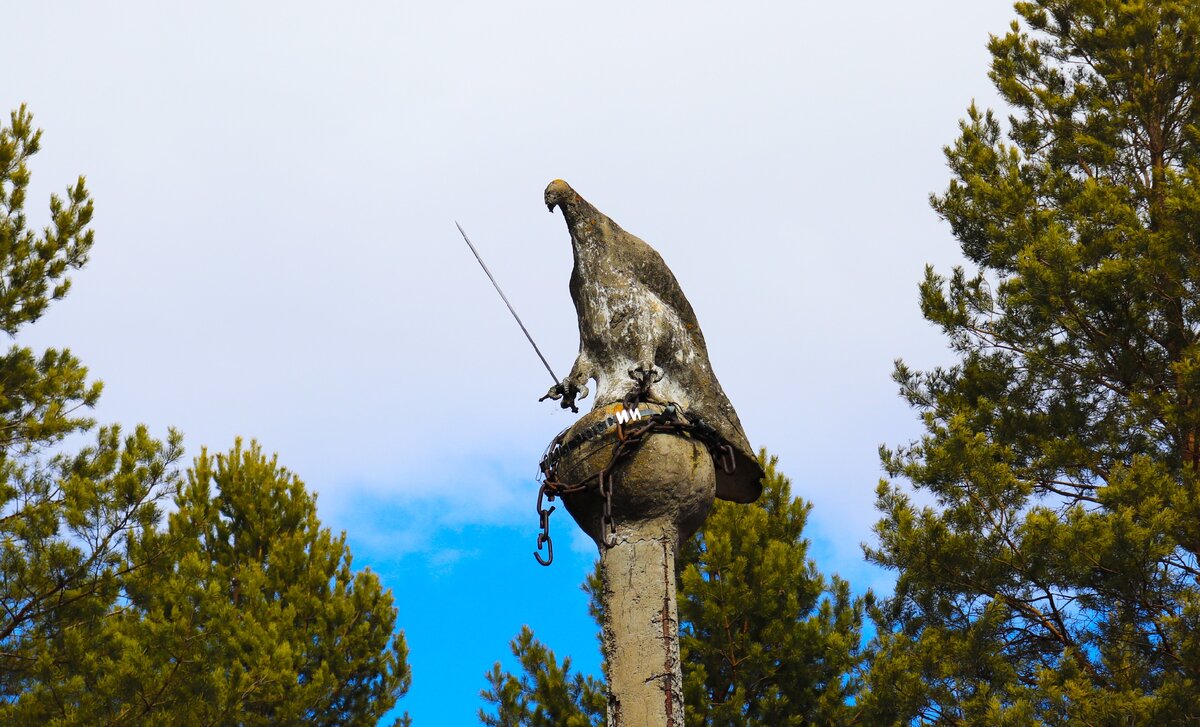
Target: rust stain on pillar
670	635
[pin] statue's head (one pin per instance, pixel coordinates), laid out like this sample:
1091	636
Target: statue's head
559	193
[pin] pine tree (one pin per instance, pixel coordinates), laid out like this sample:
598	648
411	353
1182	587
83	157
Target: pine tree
255	618
1053	576
765	639
547	694
243	610
65	519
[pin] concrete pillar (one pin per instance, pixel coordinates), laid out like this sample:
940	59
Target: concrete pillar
641	631
660	495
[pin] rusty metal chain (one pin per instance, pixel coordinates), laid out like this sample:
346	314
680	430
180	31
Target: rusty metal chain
630	436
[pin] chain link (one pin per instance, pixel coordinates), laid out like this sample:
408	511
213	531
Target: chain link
630	436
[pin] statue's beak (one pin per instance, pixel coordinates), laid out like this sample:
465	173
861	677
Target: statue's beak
550	206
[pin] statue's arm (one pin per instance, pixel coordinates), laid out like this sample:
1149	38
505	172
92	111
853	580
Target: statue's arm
574	386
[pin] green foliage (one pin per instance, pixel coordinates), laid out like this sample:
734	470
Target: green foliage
247	613
65	520
33	267
764	638
545	695
1053	576
242	611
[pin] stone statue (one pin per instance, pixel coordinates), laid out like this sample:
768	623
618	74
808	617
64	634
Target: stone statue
639	338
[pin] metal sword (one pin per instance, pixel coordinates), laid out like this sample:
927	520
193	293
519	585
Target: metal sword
504	297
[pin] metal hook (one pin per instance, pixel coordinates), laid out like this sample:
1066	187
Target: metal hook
544	539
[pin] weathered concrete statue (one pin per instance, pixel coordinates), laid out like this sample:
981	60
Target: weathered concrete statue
639	472
638	335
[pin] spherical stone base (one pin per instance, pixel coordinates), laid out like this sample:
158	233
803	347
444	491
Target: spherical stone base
666	485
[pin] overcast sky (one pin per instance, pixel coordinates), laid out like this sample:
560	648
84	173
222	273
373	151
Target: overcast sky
276	187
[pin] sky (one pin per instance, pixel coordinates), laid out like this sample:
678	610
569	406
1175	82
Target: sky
276	189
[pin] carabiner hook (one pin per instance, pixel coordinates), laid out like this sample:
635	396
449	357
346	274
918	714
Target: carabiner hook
544	539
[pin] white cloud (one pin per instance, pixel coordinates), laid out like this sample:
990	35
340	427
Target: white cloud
276	187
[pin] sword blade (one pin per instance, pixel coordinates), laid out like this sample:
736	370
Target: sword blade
504	297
